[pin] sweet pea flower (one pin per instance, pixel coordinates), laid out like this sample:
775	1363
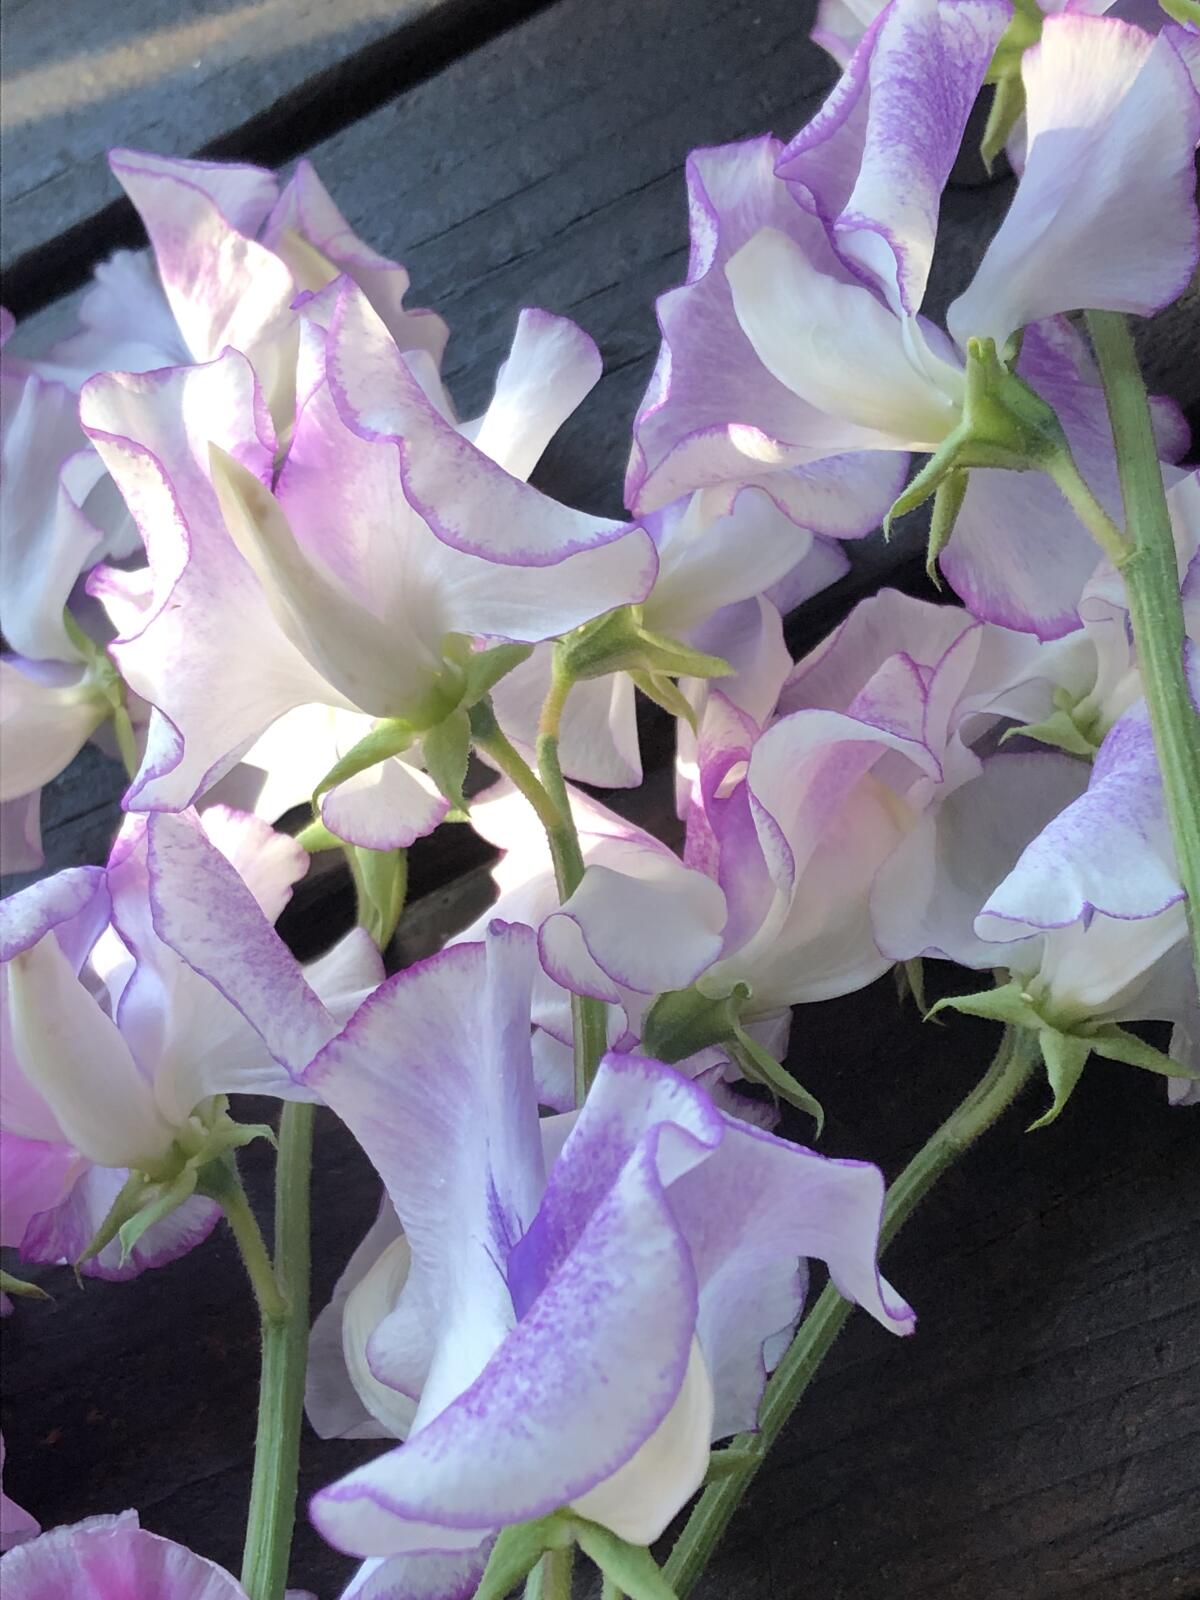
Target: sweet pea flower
713	418
231	256
719	557
388	534
16	1524
1113	121
561	1331
114	1558
1091	917
117	1053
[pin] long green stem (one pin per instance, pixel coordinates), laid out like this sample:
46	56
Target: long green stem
589	1024
272	1512
1010	1071
223	1184
1151	577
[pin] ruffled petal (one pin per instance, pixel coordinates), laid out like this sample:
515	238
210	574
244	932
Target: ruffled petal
1105	213
550	368
112	1558
874	160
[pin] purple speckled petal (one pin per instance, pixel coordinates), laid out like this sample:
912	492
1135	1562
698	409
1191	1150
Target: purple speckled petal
207	915
64	1231
1019	556
1108	852
112	1558
441	1052
1105	213
874	160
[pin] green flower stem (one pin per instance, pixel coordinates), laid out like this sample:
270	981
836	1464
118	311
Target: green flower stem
1009	1073
1151	577
272	1511
551	1578
589	1019
221	1181
492	742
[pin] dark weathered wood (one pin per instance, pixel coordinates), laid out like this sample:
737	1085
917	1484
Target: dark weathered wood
257	82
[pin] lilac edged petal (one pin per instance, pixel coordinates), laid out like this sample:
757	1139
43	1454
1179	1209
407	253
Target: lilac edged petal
207	915
1113	120
874	160
427	1575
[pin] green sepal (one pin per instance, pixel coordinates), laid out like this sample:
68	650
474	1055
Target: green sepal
154	1208
108	688
1024	28
387	738
665	692
1060	731
445	751
630	1567
619	642
316	837
1064	1056
1008	1004
518	1549
20	1288
1004	424
947	503
724	1463
380	886
910	980
683	1021
1185	11
485	668
1005	111
1117	1044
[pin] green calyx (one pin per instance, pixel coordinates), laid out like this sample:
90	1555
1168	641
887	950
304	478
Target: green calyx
1074	727
629	1568
619	641
205	1146
1007	425
684	1021
380	887
1065	1044
106	687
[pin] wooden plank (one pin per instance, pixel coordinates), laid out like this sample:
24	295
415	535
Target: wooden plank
258	80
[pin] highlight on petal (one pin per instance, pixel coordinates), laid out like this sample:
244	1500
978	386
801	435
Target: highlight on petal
550	368
1104	217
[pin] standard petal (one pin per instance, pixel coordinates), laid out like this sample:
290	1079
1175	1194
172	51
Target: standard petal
1105	214
874	160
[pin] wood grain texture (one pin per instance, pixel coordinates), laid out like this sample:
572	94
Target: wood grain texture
258	80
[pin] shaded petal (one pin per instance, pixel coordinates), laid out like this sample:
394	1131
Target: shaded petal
1105	213
385	807
874	160
45	720
208	655
208	916
111	1558
599	742
38	1175
16	1524
651	932
427	1575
